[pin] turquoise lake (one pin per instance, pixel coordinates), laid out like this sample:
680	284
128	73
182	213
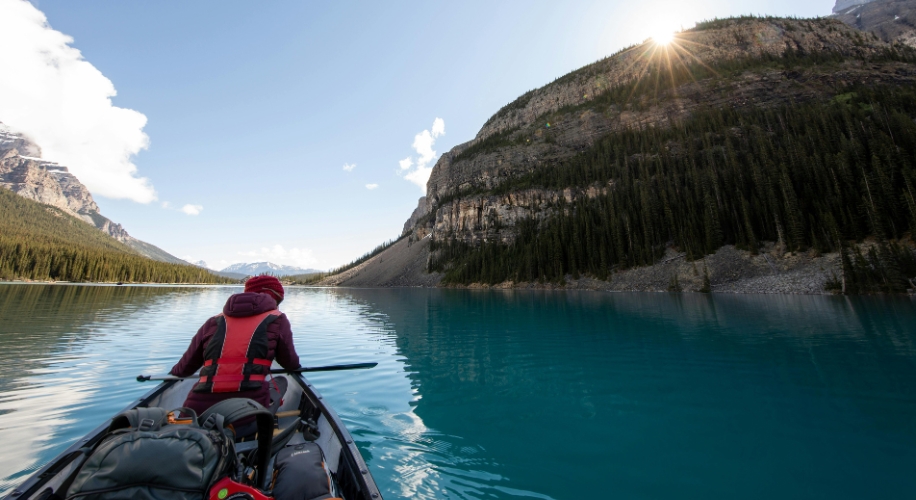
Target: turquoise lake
519	394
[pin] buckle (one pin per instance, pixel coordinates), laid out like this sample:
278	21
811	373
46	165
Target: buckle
146	424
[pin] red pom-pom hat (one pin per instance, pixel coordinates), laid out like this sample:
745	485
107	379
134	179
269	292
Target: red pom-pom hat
265	284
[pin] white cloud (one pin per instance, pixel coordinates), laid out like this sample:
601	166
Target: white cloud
166	205
419	177
438	127
192	209
50	94
423	144
370	187
277	254
349	167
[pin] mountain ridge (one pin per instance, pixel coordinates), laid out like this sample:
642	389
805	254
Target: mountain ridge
45	243
255	268
893	21
24	172
485	194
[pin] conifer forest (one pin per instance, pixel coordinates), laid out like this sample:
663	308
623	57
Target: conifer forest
820	176
40	242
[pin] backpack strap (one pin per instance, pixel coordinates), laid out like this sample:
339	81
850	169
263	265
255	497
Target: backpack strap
142	419
187	416
235	409
280	440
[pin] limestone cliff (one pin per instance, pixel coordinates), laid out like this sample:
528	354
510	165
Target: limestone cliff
23	171
561	119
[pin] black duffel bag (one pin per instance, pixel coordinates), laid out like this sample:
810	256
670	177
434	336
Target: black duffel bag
300	474
149	454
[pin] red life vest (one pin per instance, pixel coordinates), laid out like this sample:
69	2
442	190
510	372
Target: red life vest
236	356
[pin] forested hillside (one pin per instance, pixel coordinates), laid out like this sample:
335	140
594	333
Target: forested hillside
748	155
722	138
41	242
815	176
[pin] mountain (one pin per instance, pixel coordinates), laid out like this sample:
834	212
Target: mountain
847	5
745	156
893	21
23	172
44	242
266	268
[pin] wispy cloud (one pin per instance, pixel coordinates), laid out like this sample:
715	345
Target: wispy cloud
370	187
277	254
50	94
348	167
192	209
423	144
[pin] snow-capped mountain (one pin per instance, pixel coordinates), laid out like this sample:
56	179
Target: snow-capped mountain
266	268
842	5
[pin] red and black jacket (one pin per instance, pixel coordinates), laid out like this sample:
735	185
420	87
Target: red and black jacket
280	349
236	358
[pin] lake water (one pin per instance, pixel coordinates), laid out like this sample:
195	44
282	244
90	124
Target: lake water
518	394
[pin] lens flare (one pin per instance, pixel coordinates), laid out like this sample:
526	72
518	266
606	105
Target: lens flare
663	37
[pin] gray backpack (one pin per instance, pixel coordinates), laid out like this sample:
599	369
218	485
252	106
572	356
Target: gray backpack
148	456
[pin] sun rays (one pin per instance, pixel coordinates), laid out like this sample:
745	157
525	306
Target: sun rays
668	59
663	38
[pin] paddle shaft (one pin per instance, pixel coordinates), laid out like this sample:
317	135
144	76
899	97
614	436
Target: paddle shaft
329	368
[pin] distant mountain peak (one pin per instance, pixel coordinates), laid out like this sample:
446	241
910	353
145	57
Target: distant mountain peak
842	5
255	268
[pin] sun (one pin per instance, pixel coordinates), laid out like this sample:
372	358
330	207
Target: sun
663	37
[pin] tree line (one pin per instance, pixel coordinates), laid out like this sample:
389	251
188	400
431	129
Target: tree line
40	242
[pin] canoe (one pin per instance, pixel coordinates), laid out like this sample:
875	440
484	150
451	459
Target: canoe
349	473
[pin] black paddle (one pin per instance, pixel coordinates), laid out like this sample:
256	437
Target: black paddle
330	368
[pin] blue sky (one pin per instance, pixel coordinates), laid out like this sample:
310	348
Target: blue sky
254	108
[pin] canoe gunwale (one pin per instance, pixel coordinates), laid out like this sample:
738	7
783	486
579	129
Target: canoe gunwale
348	449
37	480
361	470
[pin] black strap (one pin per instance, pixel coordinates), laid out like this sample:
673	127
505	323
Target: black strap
144	419
235	409
82	455
280	440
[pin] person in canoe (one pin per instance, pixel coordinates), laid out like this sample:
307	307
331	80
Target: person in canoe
234	350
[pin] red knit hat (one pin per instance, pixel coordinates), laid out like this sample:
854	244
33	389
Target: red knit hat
265	284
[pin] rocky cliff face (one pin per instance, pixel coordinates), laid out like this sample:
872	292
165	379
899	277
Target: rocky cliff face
46	182
418	214
562	119
24	172
893	21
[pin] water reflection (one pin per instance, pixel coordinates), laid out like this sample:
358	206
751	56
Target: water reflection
516	393
534	391
68	349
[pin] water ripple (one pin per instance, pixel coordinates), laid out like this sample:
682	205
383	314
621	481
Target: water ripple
516	394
